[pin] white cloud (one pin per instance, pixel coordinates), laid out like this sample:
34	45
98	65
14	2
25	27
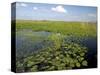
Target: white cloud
35	8
17	4
59	9
23	5
92	15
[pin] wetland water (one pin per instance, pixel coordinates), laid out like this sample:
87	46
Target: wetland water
28	41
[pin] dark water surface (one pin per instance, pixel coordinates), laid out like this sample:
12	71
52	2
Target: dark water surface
28	41
91	43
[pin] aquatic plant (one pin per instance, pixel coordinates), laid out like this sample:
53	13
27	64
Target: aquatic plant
58	57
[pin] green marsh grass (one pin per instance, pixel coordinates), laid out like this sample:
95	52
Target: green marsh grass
66	28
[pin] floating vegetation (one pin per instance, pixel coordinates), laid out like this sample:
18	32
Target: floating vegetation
58	57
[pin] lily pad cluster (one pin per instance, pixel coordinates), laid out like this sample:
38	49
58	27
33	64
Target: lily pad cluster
60	56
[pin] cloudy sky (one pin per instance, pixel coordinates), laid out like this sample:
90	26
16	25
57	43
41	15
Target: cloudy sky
35	11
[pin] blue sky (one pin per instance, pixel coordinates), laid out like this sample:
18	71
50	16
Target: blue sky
58	12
